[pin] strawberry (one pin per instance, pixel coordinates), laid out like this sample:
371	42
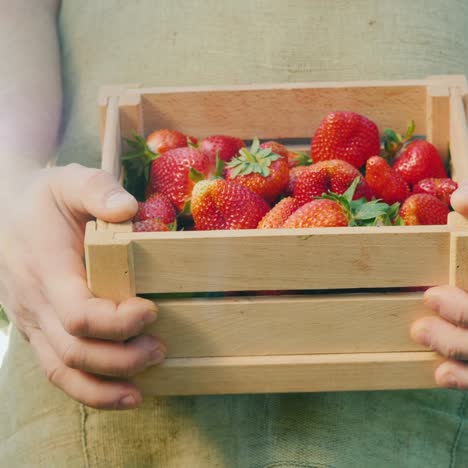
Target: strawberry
276	217
261	170
171	173
422	208
334	175
225	147
345	135
158	206
317	213
221	204
164	140
384	182
294	174
150	225
334	209
440	188
276	147
419	160
296	159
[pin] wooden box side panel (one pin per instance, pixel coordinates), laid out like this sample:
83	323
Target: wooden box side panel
303	373
281	112
284	259
260	326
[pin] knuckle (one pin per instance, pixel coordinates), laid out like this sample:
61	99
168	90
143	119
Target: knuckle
54	374
76	324
72	356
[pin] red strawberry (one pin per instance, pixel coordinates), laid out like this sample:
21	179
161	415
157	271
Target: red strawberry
277	216
345	135
260	170
158	206
317	213
224	146
329	176
170	173
221	204
296	159
334	209
440	188
422	208
420	160
294	174
150	225
164	140
276	147
384	182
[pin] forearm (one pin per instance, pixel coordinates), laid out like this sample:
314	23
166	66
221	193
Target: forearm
30	85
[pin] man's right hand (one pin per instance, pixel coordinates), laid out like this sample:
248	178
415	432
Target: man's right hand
76	336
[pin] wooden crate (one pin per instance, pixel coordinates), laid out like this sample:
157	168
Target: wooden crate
334	340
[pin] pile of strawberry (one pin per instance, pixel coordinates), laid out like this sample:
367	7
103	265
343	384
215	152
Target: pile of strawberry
219	183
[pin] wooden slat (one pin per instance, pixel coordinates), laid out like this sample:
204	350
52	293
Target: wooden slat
281	111
438	118
458	136
327	258
109	264
111	143
304	373
251	326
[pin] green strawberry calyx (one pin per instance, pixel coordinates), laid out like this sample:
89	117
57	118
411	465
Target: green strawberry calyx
303	159
394	142
137	163
365	213
256	160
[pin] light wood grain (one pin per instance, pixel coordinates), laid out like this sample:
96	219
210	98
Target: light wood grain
438	118
458	136
109	264
328	258
290	111
111	145
251	326
304	373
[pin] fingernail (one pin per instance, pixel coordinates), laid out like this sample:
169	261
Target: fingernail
149	343
128	401
449	380
156	356
420	334
119	199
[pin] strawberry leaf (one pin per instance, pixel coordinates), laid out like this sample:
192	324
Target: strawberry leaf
255	145
349	194
195	176
219	171
371	210
187	210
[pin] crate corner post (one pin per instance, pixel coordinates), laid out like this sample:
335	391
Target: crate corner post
109	263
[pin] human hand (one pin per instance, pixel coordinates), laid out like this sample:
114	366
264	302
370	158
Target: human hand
78	338
447	332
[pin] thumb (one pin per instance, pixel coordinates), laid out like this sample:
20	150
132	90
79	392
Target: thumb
459	199
89	193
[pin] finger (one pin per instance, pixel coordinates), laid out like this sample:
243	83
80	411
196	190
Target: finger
441	336
452	374
450	302
82	314
81	386
114	359
459	199
84	192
